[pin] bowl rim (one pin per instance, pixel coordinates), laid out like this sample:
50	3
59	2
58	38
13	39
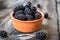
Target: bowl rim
29	20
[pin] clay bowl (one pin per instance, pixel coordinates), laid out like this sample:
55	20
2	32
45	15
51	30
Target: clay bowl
27	26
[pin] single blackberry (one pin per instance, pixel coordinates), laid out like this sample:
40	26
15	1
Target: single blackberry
17	8
28	5
28	11
20	17
46	15
3	33
29	17
19	12
33	8
22	7
37	15
39	6
40	35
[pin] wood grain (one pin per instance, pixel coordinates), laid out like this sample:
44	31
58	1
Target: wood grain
49	6
58	11
49	25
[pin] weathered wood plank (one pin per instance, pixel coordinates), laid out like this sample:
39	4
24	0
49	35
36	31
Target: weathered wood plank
58	0
50	7
58	10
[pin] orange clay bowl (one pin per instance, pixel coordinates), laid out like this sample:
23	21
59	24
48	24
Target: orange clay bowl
27	26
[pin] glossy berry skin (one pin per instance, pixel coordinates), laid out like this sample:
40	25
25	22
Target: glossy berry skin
3	33
17	8
29	17
46	15
37	15
19	12
27	11
28	5
40	35
20	16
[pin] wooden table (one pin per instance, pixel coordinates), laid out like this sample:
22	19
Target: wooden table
51	26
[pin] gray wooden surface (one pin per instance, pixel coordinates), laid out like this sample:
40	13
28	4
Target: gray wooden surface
58	11
50	26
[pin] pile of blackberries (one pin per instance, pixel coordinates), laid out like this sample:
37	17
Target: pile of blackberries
26	12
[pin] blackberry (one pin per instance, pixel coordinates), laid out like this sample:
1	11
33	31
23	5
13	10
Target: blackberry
46	15
29	17
28	5
22	7
37	15
39	6
3	33
17	8
28	11
19	12
20	17
40	35
33	8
